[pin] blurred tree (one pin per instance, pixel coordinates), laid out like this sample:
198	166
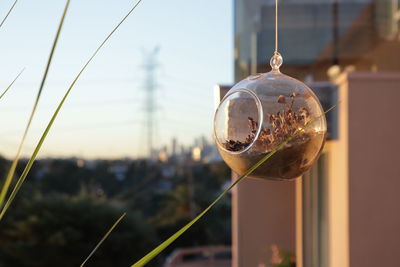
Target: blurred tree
4	165
62	176
175	210
64	208
62	231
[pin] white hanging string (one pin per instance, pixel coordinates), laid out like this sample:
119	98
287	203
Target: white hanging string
276	60
276	26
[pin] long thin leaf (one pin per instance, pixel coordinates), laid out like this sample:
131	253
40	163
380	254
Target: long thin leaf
11	84
104	238
14	164
8	13
171	239
50	124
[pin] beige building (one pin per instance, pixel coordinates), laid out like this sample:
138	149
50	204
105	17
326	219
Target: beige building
346	211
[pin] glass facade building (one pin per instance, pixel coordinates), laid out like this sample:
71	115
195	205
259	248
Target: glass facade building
314	35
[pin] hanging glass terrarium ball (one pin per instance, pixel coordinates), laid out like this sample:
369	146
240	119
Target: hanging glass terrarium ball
261	112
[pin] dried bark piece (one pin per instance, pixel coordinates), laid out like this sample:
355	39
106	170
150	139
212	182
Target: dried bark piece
282	99
283	124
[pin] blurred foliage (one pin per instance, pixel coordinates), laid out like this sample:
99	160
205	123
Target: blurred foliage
67	205
282	258
62	231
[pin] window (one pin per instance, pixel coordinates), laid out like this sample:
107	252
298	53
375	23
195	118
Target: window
315	215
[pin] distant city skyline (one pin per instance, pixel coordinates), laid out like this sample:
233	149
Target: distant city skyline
103	116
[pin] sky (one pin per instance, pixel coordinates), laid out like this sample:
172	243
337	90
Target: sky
104	115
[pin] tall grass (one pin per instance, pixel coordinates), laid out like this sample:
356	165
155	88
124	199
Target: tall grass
23	176
32	159
103	238
10	85
10	175
8	13
1	24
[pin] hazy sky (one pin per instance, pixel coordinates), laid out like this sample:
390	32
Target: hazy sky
103	117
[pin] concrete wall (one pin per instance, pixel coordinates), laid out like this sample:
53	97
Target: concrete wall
363	184
263	214
374	169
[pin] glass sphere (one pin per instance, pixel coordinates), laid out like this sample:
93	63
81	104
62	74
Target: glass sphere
262	111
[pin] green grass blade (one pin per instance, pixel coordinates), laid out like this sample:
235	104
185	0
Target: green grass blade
8	13
14	164
104	238
171	239
53	118
11	84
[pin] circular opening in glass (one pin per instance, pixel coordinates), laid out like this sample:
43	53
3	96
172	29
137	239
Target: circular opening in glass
237	121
